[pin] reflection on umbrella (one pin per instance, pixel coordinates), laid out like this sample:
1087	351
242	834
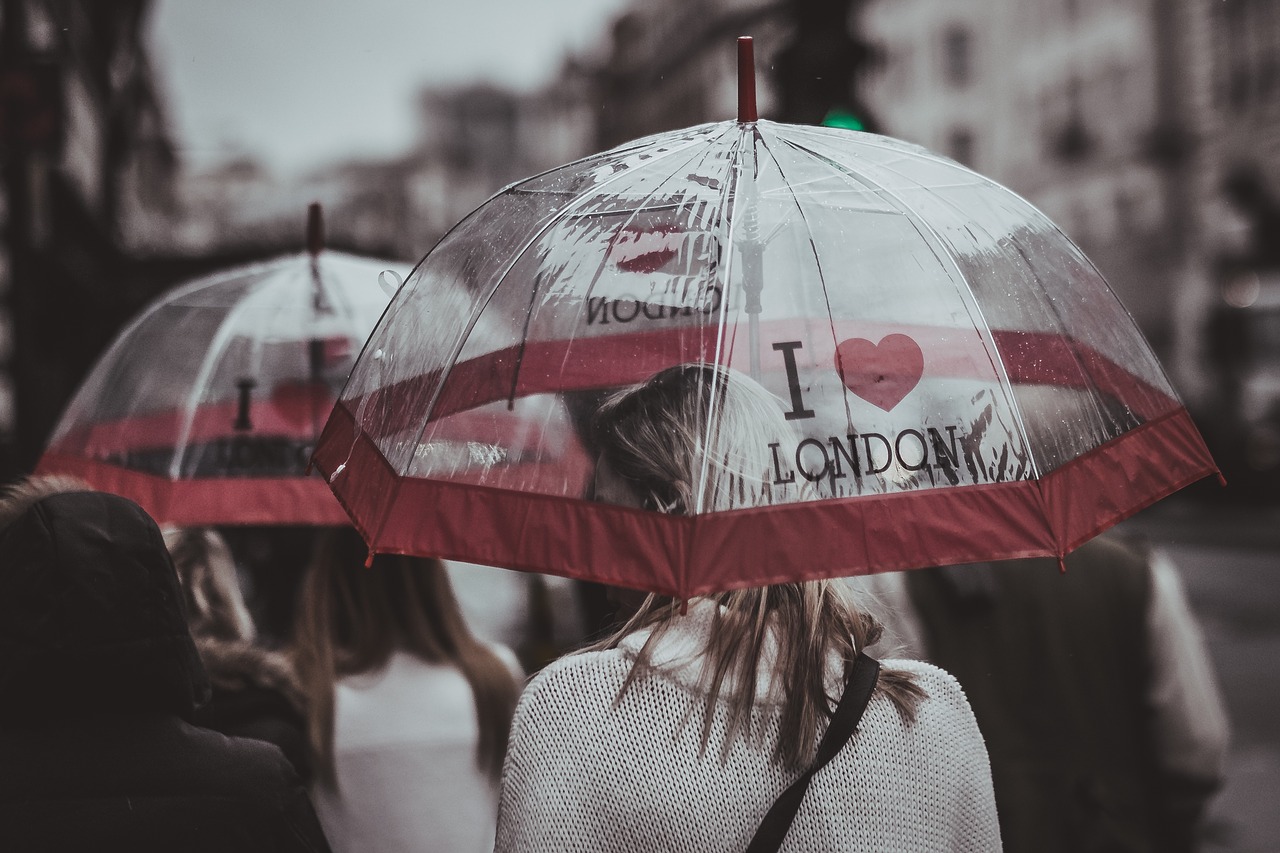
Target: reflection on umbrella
962	383
206	408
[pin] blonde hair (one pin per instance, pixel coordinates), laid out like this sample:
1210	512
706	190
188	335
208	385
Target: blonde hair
696	438
353	618
215	604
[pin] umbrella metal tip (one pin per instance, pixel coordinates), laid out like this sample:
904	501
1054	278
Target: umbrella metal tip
746	80
315	228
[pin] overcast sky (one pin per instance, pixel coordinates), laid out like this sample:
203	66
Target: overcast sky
300	82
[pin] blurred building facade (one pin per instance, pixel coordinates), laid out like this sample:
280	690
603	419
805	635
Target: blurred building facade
477	139
473	140
1246	84
1244	217
671	64
88	184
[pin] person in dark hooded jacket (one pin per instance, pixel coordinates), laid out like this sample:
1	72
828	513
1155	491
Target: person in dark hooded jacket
256	693
98	680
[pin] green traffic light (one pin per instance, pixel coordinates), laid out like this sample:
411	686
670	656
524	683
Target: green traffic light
842	118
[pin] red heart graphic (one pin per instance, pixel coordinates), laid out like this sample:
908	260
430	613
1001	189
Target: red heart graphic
883	373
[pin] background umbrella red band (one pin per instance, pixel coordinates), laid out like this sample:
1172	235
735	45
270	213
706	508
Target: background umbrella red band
101	454
294	412
257	500
114	441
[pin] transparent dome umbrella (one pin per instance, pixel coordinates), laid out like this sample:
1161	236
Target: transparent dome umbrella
962	383
207	406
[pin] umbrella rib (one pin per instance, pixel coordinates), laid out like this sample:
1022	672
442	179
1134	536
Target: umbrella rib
722	320
595	278
1083	259
122	342
499	278
826	295
1099	413
871	142
937	240
868	140
225	330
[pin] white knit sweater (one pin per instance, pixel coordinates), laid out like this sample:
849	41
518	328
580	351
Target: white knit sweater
584	774
404	749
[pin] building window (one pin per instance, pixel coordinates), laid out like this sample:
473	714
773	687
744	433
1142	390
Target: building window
957	56
1236	76
1246	71
960	145
1068	135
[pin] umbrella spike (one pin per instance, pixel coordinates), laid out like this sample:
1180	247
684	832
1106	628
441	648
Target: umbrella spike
315	228
746	80
368	560
1062	564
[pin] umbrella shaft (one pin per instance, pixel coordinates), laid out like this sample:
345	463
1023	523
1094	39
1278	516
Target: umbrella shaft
754	331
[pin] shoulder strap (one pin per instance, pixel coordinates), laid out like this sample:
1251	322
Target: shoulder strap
857	692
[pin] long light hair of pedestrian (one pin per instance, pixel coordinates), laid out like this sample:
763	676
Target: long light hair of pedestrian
697	438
352	619
215	604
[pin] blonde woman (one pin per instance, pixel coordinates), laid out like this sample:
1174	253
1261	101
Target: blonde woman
256	692
681	731
409	711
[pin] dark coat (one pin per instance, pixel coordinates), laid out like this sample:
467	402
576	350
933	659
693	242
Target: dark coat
256	695
1057	668
98	679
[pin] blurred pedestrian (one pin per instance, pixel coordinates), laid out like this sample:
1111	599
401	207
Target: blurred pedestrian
683	730
99	679
409	711
1093	690
256	693
272	560
1245	187
537	616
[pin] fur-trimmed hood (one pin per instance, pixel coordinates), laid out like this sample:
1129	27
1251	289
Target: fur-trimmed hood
91	616
237	665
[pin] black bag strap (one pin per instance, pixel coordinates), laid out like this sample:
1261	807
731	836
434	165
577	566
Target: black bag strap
857	693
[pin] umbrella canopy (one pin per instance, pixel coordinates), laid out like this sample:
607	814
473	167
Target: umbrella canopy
961	382
206	408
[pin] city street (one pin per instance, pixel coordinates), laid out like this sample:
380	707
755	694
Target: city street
1229	558
694	299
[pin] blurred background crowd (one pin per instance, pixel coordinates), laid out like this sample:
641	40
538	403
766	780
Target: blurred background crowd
1149	131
